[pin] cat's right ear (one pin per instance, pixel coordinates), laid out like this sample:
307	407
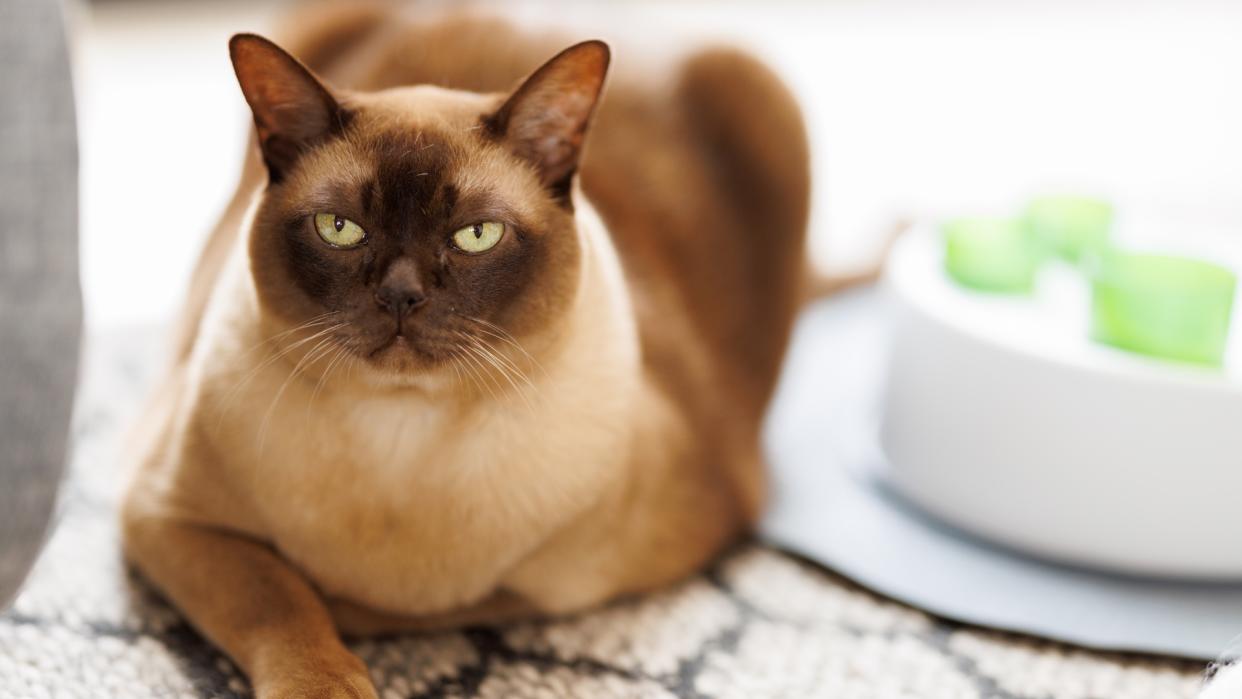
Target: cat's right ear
293	111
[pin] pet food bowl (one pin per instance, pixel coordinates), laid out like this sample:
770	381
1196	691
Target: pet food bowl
1003	418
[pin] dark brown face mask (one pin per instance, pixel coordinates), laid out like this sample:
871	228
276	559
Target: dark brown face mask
417	221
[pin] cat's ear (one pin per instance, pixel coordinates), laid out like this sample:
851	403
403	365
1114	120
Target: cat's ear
545	120
293	111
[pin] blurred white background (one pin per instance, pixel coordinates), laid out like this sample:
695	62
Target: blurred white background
914	108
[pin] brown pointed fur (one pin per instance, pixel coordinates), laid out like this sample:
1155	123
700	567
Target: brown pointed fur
277	511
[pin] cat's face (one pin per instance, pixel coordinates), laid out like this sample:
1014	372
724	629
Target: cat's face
417	226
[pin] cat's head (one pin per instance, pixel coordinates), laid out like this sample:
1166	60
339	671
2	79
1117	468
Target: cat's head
417	223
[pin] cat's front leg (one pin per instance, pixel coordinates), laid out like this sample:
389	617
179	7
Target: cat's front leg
252	604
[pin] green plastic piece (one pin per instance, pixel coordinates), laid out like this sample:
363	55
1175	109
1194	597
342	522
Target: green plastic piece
1071	227
1162	306
991	254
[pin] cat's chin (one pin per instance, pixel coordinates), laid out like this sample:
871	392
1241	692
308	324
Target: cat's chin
399	361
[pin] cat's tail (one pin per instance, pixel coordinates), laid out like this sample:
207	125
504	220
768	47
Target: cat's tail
755	145
756	141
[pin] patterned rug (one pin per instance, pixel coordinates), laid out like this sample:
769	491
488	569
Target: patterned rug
757	624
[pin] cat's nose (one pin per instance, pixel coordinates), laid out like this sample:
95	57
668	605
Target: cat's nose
400	302
400	291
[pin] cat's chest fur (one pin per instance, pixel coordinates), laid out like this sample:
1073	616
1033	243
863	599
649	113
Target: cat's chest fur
414	507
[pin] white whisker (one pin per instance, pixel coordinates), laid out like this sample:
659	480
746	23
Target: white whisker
341	353
313	355
233	393
496	361
482	373
505	336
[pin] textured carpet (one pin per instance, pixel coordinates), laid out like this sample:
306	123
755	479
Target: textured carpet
757	624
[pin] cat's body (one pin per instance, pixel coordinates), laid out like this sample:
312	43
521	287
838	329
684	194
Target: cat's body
604	441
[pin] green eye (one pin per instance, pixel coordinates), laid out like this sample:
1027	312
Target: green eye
480	237
339	232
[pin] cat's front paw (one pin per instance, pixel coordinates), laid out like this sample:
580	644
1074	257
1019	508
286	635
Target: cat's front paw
319	687
329	678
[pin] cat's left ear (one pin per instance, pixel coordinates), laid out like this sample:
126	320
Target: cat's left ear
293	110
545	120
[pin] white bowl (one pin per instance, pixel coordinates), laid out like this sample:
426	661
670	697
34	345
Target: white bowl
1002	418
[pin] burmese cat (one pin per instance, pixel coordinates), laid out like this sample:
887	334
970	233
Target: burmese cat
447	360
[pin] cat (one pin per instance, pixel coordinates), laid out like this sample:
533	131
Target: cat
446	360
